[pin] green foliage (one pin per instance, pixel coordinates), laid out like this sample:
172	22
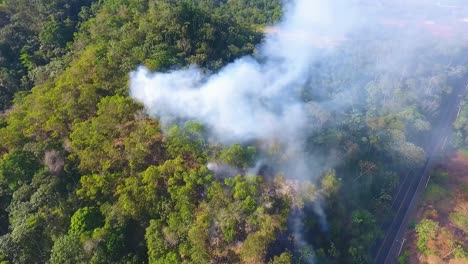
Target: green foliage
17	167
199	236
435	192
460	221
249	205
229	229
67	249
426	230
115	244
118	167
36	216
144	146
242	187
255	247
187	142
439	177
284	258
97	188
464	189
404	257
238	156
97	141
129	193
32	33
330	184
56	33
85	220
365	230
157	249
460	253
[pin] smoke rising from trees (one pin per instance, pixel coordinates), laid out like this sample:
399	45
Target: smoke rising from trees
264	96
253	97
261	97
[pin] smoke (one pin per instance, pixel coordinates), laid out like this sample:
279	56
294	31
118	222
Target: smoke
261	97
252	98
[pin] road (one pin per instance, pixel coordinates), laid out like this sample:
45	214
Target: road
415	182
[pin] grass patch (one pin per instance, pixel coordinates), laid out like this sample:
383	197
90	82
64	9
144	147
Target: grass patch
404	258
464	189
464	152
460	253
435	192
460	221
426	229
439	177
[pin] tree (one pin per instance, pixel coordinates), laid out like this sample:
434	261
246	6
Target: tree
199	235
67	249
144	145
238	156
255	247
365	231
187	142
17	167
98	188
157	248
284	258
35	216
56	33
97	142
84	220
330	184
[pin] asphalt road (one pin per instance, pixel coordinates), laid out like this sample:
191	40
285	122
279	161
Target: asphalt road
415	182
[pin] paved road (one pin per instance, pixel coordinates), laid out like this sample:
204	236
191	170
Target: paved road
414	182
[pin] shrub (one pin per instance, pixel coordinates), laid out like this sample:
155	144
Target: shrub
426	229
460	221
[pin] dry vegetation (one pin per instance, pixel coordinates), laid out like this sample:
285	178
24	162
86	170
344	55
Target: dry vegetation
445	205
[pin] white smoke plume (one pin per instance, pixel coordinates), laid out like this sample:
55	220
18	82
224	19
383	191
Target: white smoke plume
259	97
254	98
249	99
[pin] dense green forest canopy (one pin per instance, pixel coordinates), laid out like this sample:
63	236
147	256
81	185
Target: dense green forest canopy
86	176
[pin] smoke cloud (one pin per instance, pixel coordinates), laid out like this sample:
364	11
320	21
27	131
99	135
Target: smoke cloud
261	97
252	98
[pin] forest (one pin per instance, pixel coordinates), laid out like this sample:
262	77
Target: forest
88	175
